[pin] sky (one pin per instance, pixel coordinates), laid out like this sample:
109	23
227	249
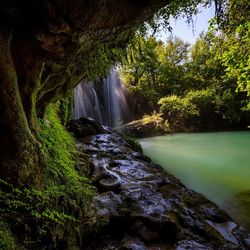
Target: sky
185	30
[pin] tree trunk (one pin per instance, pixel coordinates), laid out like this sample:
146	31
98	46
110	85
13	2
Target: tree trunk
20	152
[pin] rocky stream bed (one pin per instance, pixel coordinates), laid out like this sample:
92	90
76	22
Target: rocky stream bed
139	206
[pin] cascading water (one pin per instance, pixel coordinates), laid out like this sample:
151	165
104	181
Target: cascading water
103	101
86	103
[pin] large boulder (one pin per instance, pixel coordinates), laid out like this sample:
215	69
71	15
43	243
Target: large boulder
140	128
85	127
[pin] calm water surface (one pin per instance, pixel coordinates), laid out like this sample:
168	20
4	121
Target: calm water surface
214	164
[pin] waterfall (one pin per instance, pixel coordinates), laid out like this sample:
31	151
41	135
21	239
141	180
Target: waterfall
86	103
103	101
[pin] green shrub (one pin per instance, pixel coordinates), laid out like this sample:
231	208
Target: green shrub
178	111
203	99
231	107
207	104
154	117
226	105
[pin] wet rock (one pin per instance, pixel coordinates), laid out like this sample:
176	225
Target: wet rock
85	127
140	156
130	243
140	206
145	233
215	214
107	182
192	245
247	242
225	229
107	204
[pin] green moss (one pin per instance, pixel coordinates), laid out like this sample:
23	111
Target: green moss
43	218
36	215
133	143
65	109
61	158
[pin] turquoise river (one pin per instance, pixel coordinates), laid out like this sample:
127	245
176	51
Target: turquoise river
214	164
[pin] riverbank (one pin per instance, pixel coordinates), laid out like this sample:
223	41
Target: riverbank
156	125
140	206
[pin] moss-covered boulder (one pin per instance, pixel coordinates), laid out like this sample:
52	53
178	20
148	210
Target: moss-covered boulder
149	125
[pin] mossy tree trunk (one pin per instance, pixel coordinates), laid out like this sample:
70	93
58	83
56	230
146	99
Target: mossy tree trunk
20	153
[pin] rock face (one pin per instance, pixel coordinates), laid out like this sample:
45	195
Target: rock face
84	127
46	48
141	207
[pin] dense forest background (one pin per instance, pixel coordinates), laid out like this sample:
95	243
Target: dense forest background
202	86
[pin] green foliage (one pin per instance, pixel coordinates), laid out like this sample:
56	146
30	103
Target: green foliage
177	106
185	8
100	60
208	104
30	203
211	77
236	56
199	108
37	212
234	42
65	109
157	120
7	241
61	156
204	100
57	209
48	213
177	111
153	69
154	117
232	106
203	69
133	143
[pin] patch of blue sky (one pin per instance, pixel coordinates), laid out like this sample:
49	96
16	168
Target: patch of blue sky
189	32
